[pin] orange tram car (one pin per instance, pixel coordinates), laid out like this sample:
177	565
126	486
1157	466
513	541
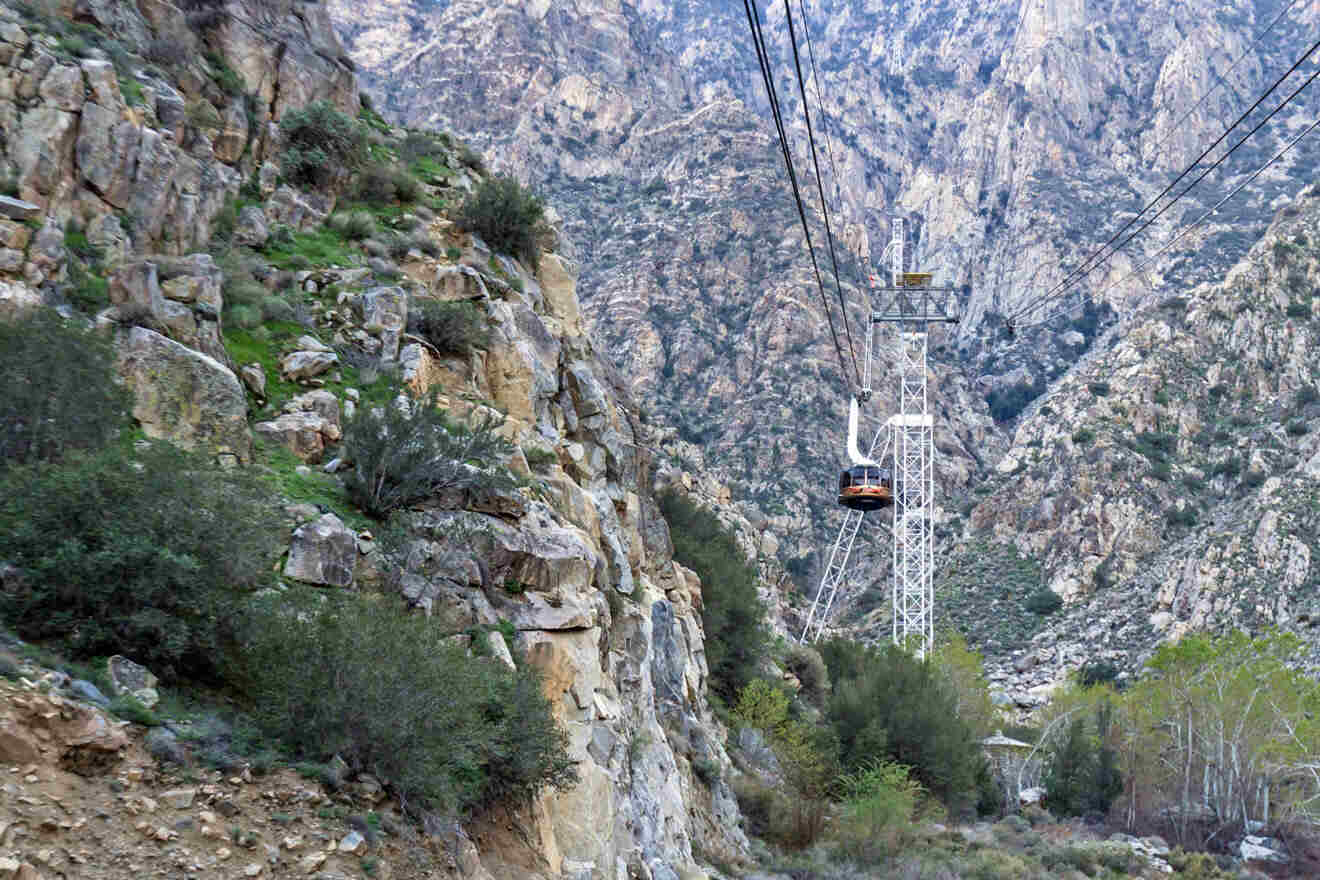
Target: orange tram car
866	487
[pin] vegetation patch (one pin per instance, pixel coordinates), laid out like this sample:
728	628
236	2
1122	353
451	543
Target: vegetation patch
387	691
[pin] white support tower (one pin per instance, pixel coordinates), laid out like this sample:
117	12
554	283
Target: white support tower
913	304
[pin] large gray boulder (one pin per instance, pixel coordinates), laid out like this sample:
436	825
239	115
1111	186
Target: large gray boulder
184	396
385	314
323	552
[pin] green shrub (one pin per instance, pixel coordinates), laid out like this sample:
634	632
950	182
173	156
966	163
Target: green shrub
275	308
806	664
228	79
1297	428
452	327
877	797
540	459
472	159
1099	389
1307	394
453	254
1008	403
386	691
358	226
403	454
60	394
1044	601
506	216
321	145
138	554
889	704
129	708
1083	436
244	317
384	185
732	613
1299	310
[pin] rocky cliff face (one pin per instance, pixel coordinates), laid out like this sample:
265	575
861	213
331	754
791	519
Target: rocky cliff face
1011	135
578	559
1169	483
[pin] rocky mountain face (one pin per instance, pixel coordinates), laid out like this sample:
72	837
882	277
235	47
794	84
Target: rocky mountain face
1015	137
141	161
1169	483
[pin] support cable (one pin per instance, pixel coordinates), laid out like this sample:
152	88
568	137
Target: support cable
820	186
1189	228
820	97
767	77
1092	262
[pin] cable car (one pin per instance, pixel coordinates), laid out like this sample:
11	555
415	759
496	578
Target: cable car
865	485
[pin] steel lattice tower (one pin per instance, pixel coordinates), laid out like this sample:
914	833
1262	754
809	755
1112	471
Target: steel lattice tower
912	304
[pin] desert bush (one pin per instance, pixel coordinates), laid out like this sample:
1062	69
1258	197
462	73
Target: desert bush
1044	601
321	145
386	691
506	216
405	452
732	614
357	226
381	184
60	394
275	308
806	664
877	797
452	327
137	553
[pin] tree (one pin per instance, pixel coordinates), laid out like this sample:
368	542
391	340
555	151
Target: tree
1220	731
890	704
732	614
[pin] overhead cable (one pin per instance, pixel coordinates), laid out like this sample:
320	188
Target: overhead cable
1190	227
767	77
1092	262
820	185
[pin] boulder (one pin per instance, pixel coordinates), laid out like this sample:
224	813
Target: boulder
184	396
1262	849
307	364
385	315
127	677
254	377
17	209
299	210
63	88
252	230
303	433
323	552
17	299
320	402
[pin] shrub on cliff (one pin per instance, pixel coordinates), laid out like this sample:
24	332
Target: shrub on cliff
393	696
136	552
60	394
732	613
452	327
402	454
321	145
506	216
